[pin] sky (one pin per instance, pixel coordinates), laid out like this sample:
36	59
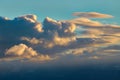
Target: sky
58	9
59	40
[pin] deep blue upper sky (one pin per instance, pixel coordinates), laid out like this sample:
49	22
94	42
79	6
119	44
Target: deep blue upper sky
58	9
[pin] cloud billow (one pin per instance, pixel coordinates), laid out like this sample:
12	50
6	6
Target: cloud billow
24	36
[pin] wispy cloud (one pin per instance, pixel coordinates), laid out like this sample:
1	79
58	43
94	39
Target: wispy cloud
92	15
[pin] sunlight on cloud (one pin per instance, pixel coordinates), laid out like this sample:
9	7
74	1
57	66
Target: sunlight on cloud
26	38
92	15
85	22
21	50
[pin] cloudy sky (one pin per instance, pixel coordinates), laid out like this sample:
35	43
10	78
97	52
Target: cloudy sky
59	40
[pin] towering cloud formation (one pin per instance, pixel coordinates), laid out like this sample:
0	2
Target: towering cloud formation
60	26
19	26
55	33
53	37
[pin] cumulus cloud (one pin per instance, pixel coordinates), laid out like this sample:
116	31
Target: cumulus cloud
30	18
21	50
11	30
25	53
92	15
50	43
55	33
61	27
28	24
52	37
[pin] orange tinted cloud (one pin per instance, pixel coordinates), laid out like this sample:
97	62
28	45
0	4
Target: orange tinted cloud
92	15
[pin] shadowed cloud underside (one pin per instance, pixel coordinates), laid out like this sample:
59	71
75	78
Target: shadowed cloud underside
26	38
